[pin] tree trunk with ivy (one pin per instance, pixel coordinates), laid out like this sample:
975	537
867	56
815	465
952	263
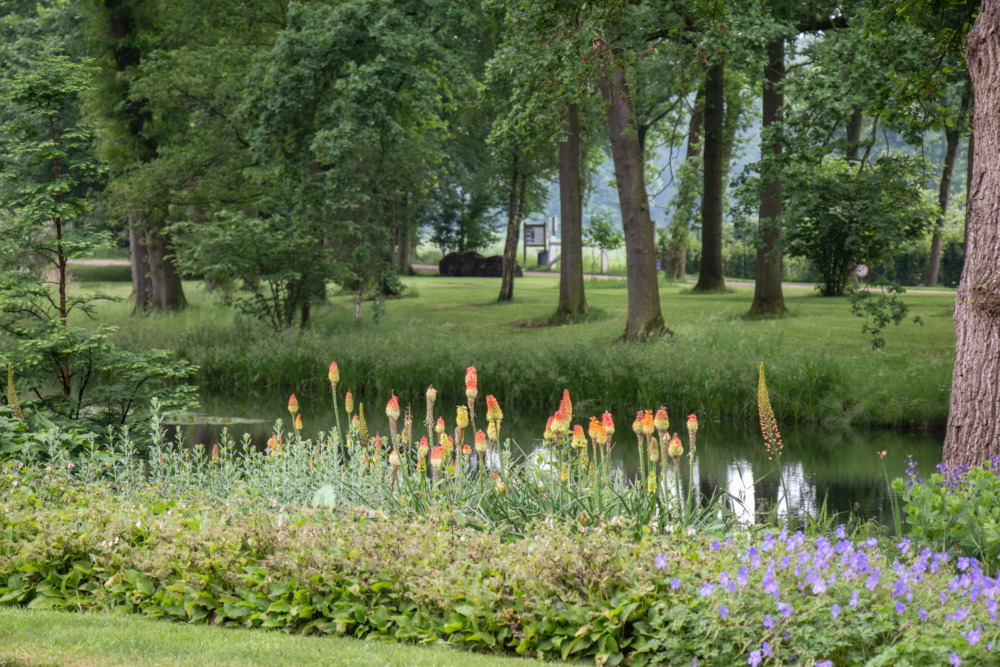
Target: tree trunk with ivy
645	317
572	299
768	298
973	434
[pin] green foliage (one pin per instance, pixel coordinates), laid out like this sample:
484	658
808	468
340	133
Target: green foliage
269	267
954	511
879	311
603	232
565	593
838	214
73	373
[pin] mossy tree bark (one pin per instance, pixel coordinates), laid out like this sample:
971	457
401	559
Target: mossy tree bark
645	317
973	434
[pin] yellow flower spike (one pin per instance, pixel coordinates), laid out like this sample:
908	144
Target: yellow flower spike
480	443
439	427
564	474
768	424
462	417
651	483
349	402
491	432
654	450
422	450
692	424
676	448
560	423
467	451
548	435
293	404
585	459
579	439
334	374
298	424
431	397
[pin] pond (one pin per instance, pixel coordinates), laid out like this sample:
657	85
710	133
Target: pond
838	468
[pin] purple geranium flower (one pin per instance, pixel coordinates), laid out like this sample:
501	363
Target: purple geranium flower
755	658
661	562
835	610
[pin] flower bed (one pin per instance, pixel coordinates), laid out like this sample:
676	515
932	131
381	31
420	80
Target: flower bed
566	592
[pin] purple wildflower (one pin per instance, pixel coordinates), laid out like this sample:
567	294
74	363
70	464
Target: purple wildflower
754	658
972	636
715	545
675	583
706	589
661	562
835	610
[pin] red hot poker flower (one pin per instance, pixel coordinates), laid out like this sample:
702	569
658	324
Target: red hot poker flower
293	404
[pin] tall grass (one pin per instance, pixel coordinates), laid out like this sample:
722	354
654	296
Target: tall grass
820	366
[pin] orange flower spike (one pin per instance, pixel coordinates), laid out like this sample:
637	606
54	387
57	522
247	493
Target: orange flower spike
609	424
579	439
471	383
439	427
215	452
422	451
272	446
378	442
394	459
648	423
548	436
560	423
480	442
567	405
637	424
349	402
692	424
334	374
594	429
293	404
298	424
437	456
661	422
493	411
392	408
467	451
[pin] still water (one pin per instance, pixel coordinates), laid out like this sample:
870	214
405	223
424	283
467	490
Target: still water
841	468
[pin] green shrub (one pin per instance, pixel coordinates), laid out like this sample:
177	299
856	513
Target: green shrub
956	510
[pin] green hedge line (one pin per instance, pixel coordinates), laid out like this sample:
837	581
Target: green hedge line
564	592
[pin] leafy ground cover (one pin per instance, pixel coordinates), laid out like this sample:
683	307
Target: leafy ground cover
563	592
34	638
820	366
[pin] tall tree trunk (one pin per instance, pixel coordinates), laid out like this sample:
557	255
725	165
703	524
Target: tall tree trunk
854	126
644	314
571	294
142	290
952	136
768	297
675	267
513	232
167	293
165	289
710	275
974	415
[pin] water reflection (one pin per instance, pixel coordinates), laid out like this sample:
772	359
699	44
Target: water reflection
836	468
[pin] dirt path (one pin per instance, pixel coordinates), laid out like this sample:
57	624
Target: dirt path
98	262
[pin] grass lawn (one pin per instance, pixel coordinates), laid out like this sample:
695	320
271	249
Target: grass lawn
820	365
43	638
